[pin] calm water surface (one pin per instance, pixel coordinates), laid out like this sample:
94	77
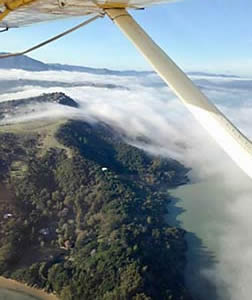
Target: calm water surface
198	209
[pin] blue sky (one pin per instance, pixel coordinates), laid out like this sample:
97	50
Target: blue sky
205	35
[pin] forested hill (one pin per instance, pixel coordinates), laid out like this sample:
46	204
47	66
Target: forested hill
83	214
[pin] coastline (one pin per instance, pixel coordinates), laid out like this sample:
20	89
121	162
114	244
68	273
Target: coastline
16	286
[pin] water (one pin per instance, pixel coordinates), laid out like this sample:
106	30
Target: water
6	294
198	208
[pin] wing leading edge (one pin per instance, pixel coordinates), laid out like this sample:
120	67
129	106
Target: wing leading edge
47	10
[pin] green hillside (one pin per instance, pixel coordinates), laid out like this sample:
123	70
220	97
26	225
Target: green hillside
83	214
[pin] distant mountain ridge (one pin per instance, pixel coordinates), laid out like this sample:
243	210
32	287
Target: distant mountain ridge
99	71
27	63
23	62
212	75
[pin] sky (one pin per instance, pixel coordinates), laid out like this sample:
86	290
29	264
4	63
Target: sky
205	35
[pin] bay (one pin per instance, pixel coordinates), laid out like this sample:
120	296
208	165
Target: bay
197	208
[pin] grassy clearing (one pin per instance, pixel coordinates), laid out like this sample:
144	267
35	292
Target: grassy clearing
45	130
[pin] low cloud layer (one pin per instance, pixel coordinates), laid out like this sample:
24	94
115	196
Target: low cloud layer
142	106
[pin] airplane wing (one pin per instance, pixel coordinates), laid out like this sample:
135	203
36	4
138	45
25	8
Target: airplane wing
45	10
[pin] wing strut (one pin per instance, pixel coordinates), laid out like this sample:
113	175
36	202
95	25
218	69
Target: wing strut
236	145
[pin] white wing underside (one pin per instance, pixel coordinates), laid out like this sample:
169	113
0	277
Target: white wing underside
48	10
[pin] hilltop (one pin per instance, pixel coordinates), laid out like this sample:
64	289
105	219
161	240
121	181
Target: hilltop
21	107
85	216
11	106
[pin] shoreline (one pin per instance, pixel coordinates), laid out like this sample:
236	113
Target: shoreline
13	285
